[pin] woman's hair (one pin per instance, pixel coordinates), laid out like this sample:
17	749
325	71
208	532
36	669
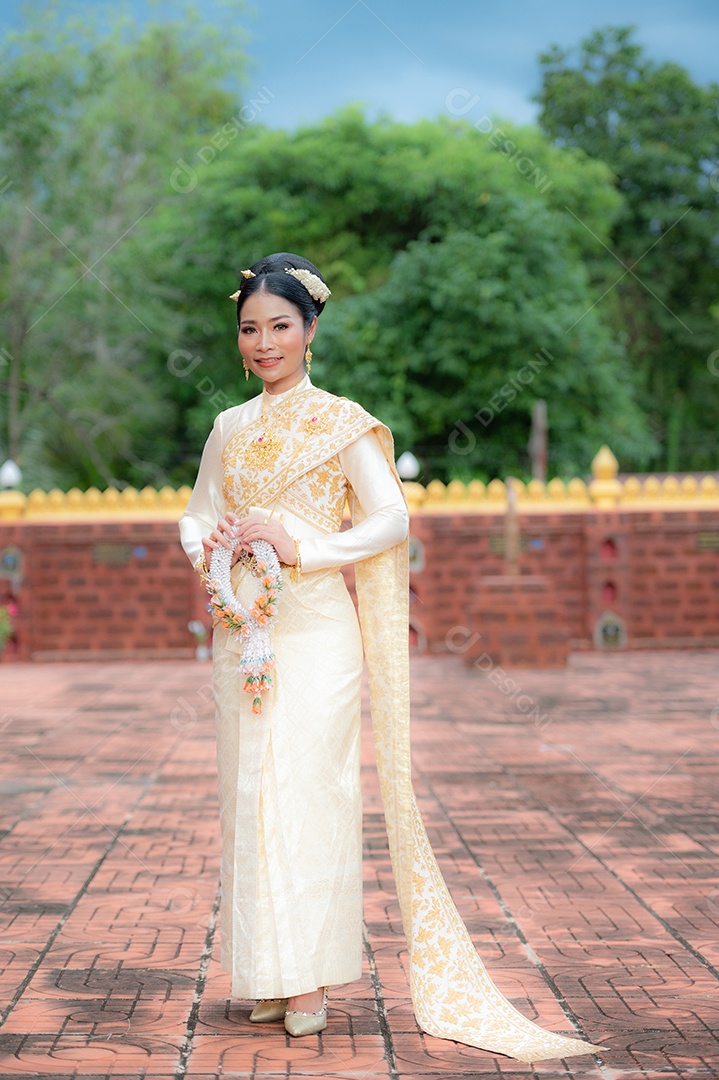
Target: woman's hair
270	277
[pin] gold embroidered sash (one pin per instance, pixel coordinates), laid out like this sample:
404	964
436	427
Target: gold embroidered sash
313	427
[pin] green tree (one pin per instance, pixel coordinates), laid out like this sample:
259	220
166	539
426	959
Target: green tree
367	201
483	333
91	124
658	132
149	187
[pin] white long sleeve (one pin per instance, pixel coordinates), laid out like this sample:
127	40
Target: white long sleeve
387	521
207	503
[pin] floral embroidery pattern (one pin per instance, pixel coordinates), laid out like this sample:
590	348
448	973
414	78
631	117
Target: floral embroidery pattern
339	421
319	495
317	423
262	451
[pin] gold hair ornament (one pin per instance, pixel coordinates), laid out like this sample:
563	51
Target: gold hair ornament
314	285
247	274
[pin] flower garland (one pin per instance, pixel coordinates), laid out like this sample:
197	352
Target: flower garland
252	626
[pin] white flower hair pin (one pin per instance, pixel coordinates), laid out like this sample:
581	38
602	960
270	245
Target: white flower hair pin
314	285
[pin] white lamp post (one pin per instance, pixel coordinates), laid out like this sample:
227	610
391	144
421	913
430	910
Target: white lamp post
408	466
10	475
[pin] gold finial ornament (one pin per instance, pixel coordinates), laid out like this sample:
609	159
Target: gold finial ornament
605	490
235	296
314	285
604	464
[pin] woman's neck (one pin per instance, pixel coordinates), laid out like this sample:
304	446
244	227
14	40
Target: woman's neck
272	393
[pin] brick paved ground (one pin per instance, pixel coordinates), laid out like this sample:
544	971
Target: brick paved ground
579	839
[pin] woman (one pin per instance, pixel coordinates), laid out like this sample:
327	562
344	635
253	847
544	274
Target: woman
279	468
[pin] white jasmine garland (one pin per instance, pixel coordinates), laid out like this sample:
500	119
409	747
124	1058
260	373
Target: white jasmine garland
253	625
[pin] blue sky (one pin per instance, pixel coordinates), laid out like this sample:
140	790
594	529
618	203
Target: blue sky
404	57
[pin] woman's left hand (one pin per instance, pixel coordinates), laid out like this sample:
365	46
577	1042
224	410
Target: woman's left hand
253	528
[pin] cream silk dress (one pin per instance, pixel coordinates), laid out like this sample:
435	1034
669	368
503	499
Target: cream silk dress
290	802
289	780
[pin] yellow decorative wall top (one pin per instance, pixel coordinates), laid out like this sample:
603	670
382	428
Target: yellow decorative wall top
71	505
603	491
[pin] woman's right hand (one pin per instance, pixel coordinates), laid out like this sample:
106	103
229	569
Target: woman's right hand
222	535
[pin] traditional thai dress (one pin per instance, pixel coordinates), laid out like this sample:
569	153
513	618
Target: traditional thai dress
289	778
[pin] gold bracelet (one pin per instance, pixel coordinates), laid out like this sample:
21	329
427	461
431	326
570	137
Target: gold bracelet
200	565
296	570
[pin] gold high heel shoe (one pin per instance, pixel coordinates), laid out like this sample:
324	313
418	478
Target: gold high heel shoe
304	1023
269	1009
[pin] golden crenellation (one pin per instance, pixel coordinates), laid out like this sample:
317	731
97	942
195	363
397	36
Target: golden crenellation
603	491
167	502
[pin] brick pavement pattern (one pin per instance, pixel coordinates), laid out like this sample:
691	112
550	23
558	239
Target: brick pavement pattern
578	834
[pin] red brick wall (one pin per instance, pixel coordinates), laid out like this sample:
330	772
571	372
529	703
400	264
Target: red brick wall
120	588
463	547
658	571
125	588
674	578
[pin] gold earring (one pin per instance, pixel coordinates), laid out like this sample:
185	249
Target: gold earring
247	370
308	357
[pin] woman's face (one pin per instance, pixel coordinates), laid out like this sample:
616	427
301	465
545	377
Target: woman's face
272	340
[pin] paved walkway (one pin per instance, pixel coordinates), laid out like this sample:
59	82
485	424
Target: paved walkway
578	836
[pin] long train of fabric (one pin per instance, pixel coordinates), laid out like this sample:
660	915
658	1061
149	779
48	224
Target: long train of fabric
452	993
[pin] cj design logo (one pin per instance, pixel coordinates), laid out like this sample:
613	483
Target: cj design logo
714	716
184	178
183	716
713	363
182	363
714	178
498	402
459	102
